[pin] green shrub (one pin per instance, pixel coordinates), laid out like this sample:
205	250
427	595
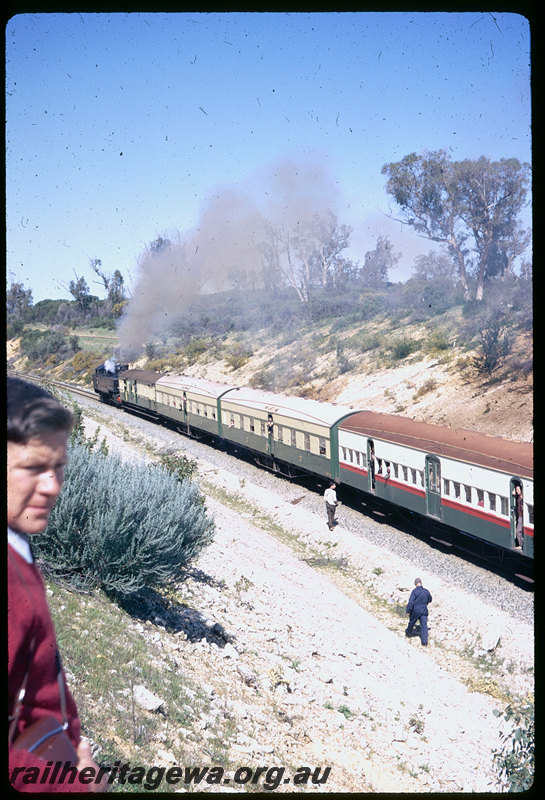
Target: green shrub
180	465
428	386
122	526
85	362
371	305
194	349
369	341
39	345
401	348
14	327
438	340
46	311
495	345
263	379
106	323
516	759
238	356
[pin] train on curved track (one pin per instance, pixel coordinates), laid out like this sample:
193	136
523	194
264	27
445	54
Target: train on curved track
456	478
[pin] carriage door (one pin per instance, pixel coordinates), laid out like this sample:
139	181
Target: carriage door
513	507
433	486
371	464
270	434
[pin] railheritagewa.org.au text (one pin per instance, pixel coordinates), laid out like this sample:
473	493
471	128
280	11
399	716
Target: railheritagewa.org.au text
151	778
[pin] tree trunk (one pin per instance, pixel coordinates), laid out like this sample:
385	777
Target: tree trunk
456	249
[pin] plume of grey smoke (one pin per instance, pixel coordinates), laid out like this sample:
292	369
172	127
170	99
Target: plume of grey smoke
226	240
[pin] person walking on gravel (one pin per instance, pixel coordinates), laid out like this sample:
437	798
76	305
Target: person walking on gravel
330	497
417	607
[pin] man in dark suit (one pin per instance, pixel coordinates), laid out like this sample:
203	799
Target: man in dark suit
417	607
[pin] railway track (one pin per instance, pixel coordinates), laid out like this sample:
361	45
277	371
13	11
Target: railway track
73	388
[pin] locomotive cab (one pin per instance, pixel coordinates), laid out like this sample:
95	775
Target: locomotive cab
106	381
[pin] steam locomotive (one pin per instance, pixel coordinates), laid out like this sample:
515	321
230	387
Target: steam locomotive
450	477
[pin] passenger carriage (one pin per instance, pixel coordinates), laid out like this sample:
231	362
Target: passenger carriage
289	434
137	389
461	478
193	403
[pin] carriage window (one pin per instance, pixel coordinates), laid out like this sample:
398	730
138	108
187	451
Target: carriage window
413	475
421	471
293	438
307	441
491	501
405	473
344	453
205	411
232	421
214	413
530	513
396	469
480	497
280	433
262	427
357	458
252	424
456	487
446	487
504	506
467	490
379	464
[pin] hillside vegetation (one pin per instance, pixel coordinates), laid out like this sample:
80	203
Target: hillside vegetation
416	349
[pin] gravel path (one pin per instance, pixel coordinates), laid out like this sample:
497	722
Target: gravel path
386	713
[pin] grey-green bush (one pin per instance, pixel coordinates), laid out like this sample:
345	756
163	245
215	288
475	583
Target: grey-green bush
122	526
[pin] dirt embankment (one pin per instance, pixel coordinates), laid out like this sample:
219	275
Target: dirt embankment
438	389
431	389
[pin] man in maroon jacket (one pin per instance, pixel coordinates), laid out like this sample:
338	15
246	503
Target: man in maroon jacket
38	431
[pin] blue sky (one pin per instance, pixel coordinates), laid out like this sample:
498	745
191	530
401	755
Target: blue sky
121	127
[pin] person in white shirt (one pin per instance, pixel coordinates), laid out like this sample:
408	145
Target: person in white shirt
330	497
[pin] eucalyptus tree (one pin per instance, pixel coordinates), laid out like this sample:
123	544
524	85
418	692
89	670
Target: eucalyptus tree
472	206
80	292
114	284
378	262
491	195
18	299
308	251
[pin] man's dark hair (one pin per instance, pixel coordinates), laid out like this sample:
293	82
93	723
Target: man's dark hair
34	412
